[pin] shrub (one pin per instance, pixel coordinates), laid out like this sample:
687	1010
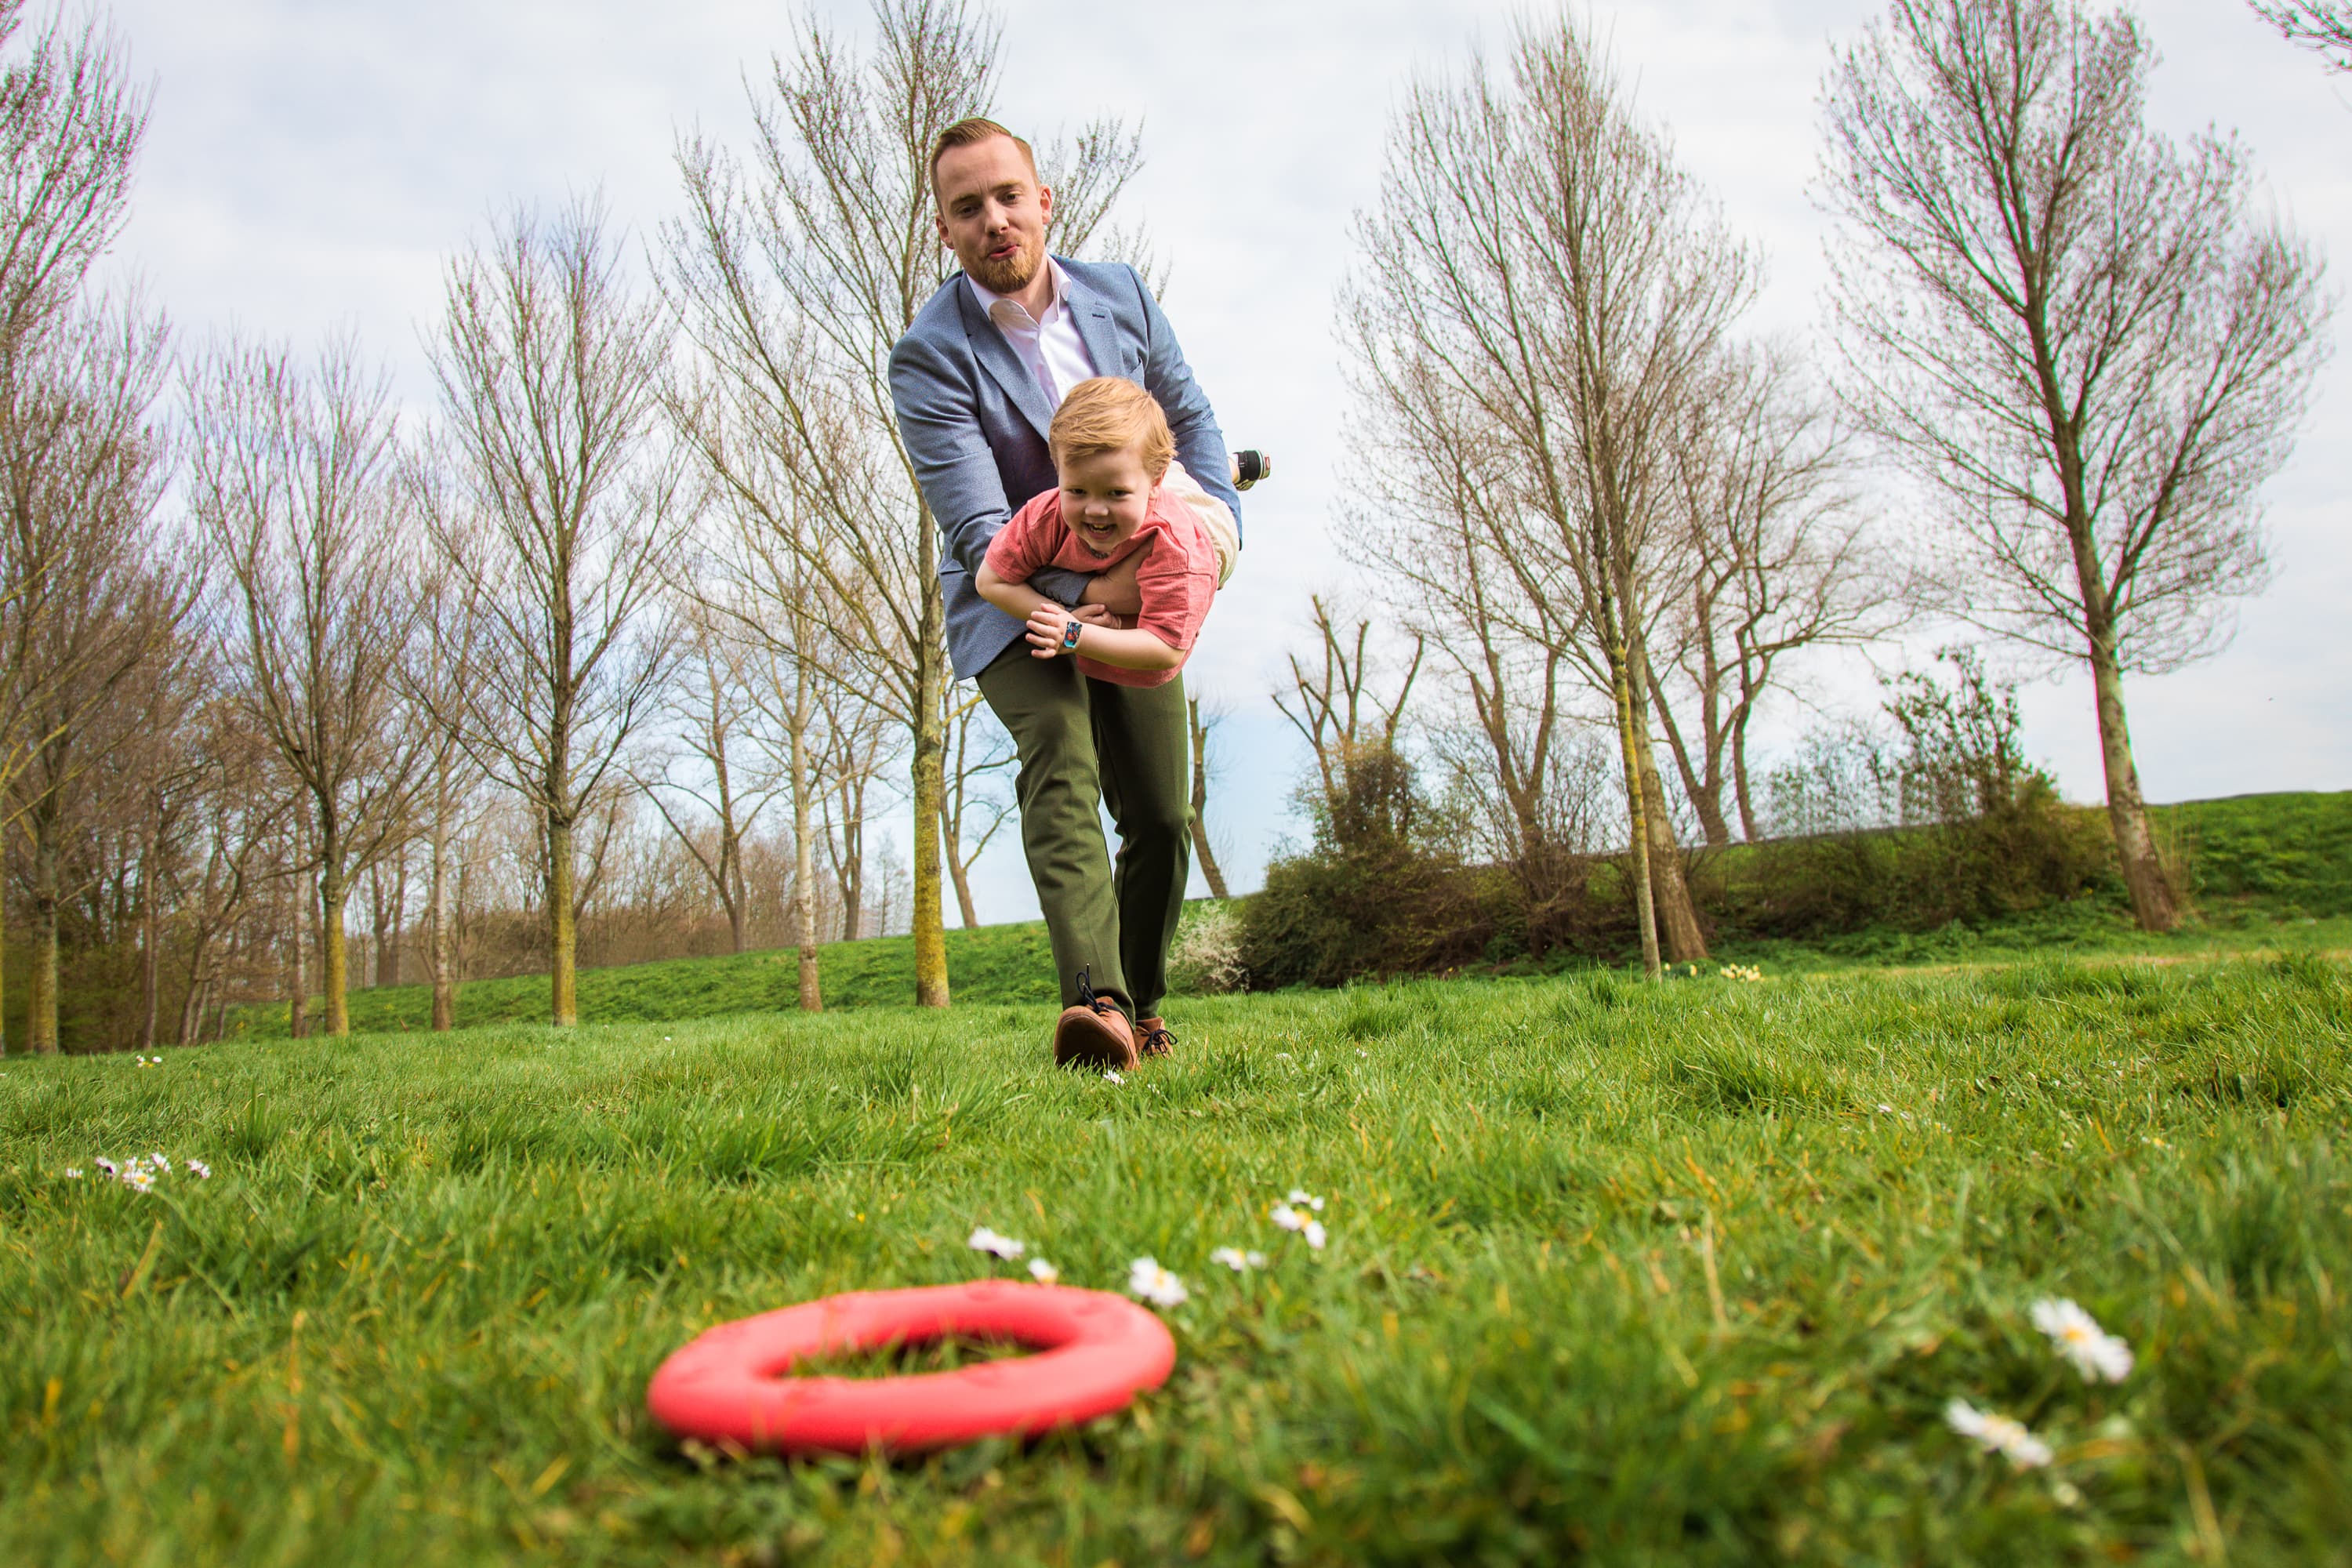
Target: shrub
1207	959
1380	892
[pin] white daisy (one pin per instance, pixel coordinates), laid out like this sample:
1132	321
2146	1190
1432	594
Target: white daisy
2097	1353
108	1166
199	1169
160	1162
73	1173
1156	1284
138	1181
1298	1197
1112	1076
1998	1433
986	1240
1237	1260
1043	1272
1286	1218
1315	1234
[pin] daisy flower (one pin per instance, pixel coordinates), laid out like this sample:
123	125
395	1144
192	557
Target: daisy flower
160	1162
1315	1234
1043	1272
1286	1218
108	1166
1237	1260
138	1181
1298	1197
1113	1076
73	1173
2097	1353
199	1169
1998	1433
1156	1284
986	1240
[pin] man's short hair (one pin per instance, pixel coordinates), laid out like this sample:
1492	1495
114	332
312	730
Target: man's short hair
967	132
1110	415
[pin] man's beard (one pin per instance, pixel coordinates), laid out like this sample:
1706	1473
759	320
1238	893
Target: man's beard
1011	275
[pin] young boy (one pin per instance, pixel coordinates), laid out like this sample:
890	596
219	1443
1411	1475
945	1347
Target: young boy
1122	494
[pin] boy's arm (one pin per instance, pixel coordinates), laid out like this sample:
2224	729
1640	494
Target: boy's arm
1018	600
1049	637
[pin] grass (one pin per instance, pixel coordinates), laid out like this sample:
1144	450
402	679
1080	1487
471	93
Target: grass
1673	1274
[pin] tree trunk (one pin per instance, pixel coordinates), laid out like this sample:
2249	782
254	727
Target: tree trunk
1684	940
41	985
961	875
1644	910
563	927
150	933
297	1002
805	861
2153	900
438	944
931	797
1704	793
334	955
1739	776
1201	853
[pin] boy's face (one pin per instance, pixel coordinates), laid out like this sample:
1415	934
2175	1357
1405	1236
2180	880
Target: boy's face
1105	496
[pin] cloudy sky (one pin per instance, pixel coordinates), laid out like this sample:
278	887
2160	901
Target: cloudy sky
313	162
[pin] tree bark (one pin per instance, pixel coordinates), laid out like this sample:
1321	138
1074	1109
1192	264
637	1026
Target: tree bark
438	943
1201	853
961	875
805	856
2155	902
1646	913
931	800
41	985
334	953
562	928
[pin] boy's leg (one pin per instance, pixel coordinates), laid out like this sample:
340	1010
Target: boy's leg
1143	739
1046	706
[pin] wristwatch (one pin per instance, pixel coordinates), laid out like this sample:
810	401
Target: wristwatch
1070	630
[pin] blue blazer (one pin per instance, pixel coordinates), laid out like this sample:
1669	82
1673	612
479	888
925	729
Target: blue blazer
973	420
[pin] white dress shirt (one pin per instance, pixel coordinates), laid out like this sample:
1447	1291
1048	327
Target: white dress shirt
1049	345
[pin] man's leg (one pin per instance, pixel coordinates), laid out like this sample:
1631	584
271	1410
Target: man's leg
1142	739
1045	704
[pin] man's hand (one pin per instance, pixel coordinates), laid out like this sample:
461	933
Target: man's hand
1115	589
1047	627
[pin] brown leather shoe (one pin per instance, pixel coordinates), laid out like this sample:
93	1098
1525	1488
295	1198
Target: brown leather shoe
1158	1041
1093	1032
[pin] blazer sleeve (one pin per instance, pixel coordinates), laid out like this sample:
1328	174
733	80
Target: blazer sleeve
941	428
1199	444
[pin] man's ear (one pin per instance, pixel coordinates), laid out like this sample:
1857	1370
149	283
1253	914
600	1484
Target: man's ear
939	225
1044	206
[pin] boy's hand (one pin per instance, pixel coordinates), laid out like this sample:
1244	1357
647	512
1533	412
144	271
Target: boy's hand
1048	630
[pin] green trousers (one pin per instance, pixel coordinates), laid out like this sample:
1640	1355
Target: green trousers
1084	745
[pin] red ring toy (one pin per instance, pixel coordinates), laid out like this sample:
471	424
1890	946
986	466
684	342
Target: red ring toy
733	1382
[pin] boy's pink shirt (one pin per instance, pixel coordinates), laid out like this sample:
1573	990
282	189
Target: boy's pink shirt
1177	577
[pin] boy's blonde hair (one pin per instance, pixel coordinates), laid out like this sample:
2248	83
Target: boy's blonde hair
1111	414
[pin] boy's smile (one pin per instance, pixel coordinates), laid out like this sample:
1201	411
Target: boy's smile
1105	496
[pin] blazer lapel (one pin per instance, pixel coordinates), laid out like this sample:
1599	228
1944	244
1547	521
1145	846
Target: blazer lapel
1095	328
988	345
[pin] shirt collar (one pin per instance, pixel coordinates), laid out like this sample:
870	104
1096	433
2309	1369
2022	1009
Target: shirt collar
989	300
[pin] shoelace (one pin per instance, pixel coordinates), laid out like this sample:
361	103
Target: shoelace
1087	998
1159	1042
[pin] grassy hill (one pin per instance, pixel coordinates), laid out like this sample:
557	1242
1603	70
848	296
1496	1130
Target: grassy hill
2270	871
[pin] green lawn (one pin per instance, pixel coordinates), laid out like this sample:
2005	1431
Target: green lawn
1673	1274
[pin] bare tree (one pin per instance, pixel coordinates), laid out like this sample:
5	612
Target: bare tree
978	751
551	378
797	273
1203	855
1333	705
292	475
1776	559
2082	338
2322	24
1541	274
714	706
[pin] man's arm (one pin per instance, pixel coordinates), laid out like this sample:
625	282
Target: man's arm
1199	444
953	463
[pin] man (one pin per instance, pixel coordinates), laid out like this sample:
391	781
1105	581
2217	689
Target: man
976	381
